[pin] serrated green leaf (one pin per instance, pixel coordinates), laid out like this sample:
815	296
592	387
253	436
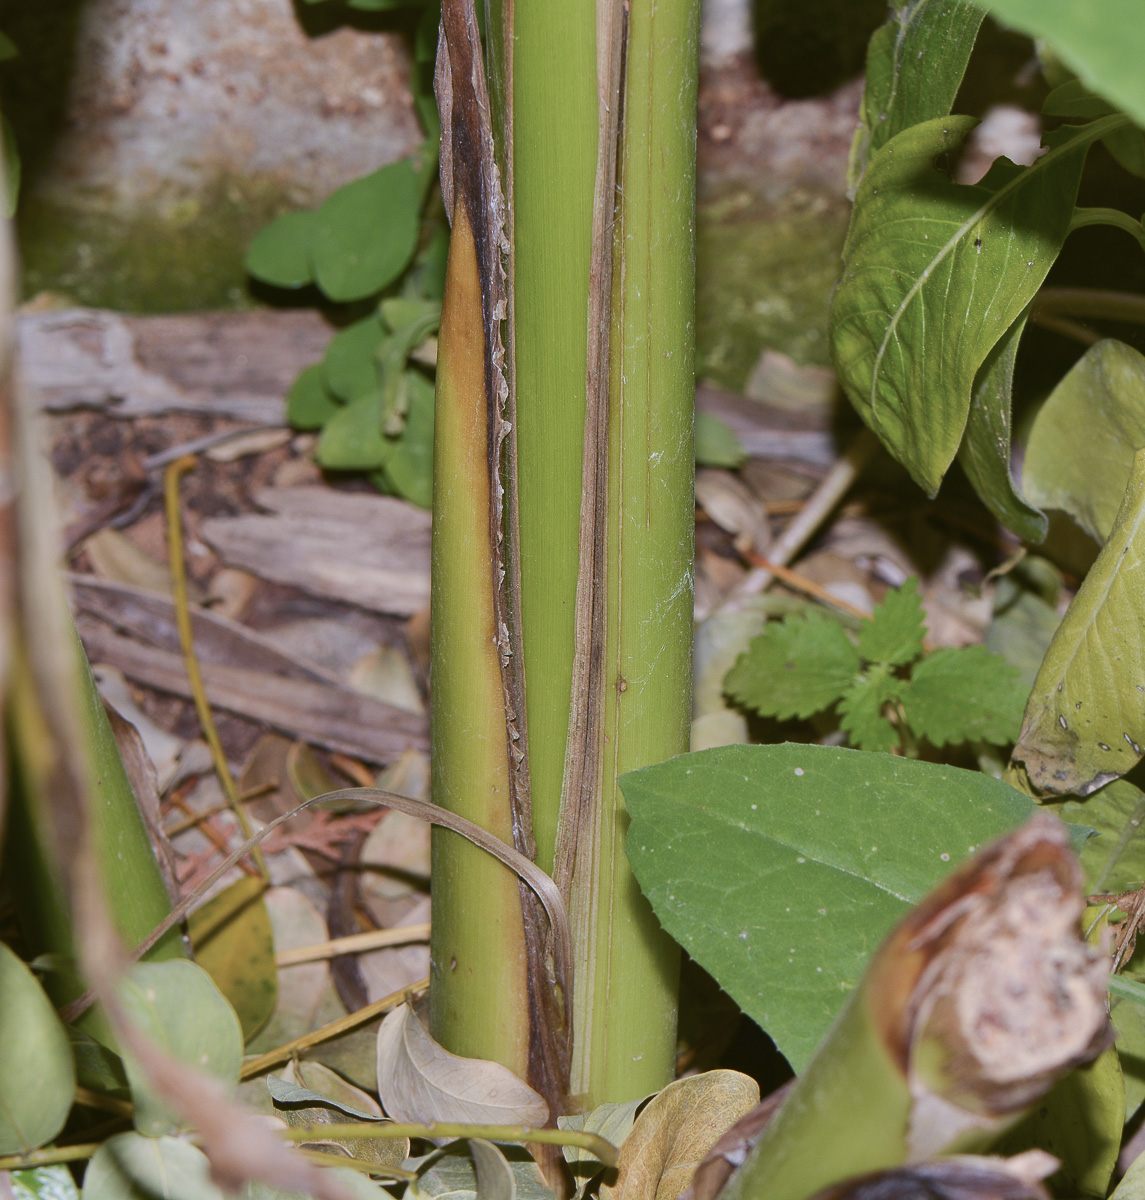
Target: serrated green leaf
409	467
179	1008
1084	723
780	868
234	944
1103	43
895	631
309	403
280	252
37	1076
915	63
717	443
352	439
796	667
44	1183
985	453
861	711
964	695
1081	446
350	366
922	253
366	233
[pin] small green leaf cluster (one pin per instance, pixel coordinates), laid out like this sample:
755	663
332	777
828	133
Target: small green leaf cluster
805	664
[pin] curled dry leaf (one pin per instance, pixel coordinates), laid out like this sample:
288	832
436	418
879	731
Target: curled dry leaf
674	1133
968	1177
730	503
418	1080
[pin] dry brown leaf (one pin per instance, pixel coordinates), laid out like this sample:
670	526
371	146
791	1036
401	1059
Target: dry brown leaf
117	558
733	507
674	1133
418	1080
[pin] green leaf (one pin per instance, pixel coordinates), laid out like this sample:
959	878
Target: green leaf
409	312
895	631
1081	446
861	711
1079	1121
409	467
178	1006
780	868
796	667
1103	43
1085	720
366	233
350	367
985	453
613	1121
1074	99
717	443
472	1168
964	695
352	439
1024	624
132	1167
1132	1186
915	63
7	48
44	1183
37	1076
234	944
1129	1022
1114	860
97	1068
309	403
280	252
921	254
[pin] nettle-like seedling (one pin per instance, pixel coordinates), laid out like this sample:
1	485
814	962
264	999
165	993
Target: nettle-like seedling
888	693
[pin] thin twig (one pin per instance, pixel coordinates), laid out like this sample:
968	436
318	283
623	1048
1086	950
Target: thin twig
801	583
178	568
197	818
105	1103
256	1066
355	943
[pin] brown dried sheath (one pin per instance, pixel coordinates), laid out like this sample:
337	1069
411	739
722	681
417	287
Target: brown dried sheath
473	199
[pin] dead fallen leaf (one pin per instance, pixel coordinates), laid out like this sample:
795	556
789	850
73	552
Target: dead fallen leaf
418	1080
674	1133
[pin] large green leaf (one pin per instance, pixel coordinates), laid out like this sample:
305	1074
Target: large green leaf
915	63
37	1076
1081	447
1114	860
366	233
1074	99
1085	720
985	453
934	275
780	868
1103	42
177	1005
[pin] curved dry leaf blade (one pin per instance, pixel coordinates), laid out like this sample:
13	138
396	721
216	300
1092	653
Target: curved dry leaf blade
180	1010
234	943
1084	723
294	1101
1080	452
674	1133
923	253
612	1121
420	1081
37	1075
985	453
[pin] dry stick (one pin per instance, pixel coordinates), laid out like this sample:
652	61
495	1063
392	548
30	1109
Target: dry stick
187	640
355	943
255	1066
527	870
198	818
815	511
801	583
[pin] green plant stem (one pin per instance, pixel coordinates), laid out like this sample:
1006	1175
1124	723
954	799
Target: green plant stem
1090	302
1109	216
49	1156
604	1150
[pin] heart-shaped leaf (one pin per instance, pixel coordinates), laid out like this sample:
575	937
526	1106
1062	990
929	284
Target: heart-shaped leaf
1085	720
37	1075
280	252
780	868
309	403
349	367
921	255
1080	451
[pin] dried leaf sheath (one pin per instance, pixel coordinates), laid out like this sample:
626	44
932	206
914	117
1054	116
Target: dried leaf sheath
479	690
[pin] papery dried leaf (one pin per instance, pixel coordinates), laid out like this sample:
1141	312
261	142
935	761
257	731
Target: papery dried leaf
675	1132
965	1178
418	1080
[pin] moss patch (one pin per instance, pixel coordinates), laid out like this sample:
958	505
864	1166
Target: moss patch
764	277
182	257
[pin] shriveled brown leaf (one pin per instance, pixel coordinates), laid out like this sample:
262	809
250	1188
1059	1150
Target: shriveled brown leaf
418	1080
674	1133
968	1177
